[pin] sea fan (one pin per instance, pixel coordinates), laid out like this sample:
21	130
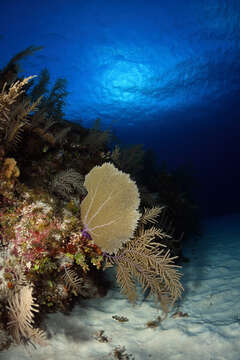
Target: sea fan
110	209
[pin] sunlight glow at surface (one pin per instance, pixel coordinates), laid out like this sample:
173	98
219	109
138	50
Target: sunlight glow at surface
125	81
166	74
146	58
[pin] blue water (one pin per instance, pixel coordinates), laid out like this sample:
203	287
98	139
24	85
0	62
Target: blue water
162	73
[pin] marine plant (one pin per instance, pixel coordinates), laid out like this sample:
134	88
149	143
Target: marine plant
9	74
110	210
96	139
13	115
53	100
28	114
55	250
50	244
66	182
112	220
21	308
148	262
129	159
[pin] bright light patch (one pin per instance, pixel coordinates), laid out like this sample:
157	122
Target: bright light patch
124	81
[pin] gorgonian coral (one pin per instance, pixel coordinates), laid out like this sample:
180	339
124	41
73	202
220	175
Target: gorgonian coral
110	210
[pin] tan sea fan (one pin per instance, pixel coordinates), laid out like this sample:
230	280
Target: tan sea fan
110	210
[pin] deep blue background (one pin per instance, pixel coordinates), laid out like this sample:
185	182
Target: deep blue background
163	73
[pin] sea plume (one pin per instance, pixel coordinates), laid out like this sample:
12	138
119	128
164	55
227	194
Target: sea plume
21	308
146	261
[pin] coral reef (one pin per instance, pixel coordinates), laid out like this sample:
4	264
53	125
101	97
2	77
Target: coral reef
67	213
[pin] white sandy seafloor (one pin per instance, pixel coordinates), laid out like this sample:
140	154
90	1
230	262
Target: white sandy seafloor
211	299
